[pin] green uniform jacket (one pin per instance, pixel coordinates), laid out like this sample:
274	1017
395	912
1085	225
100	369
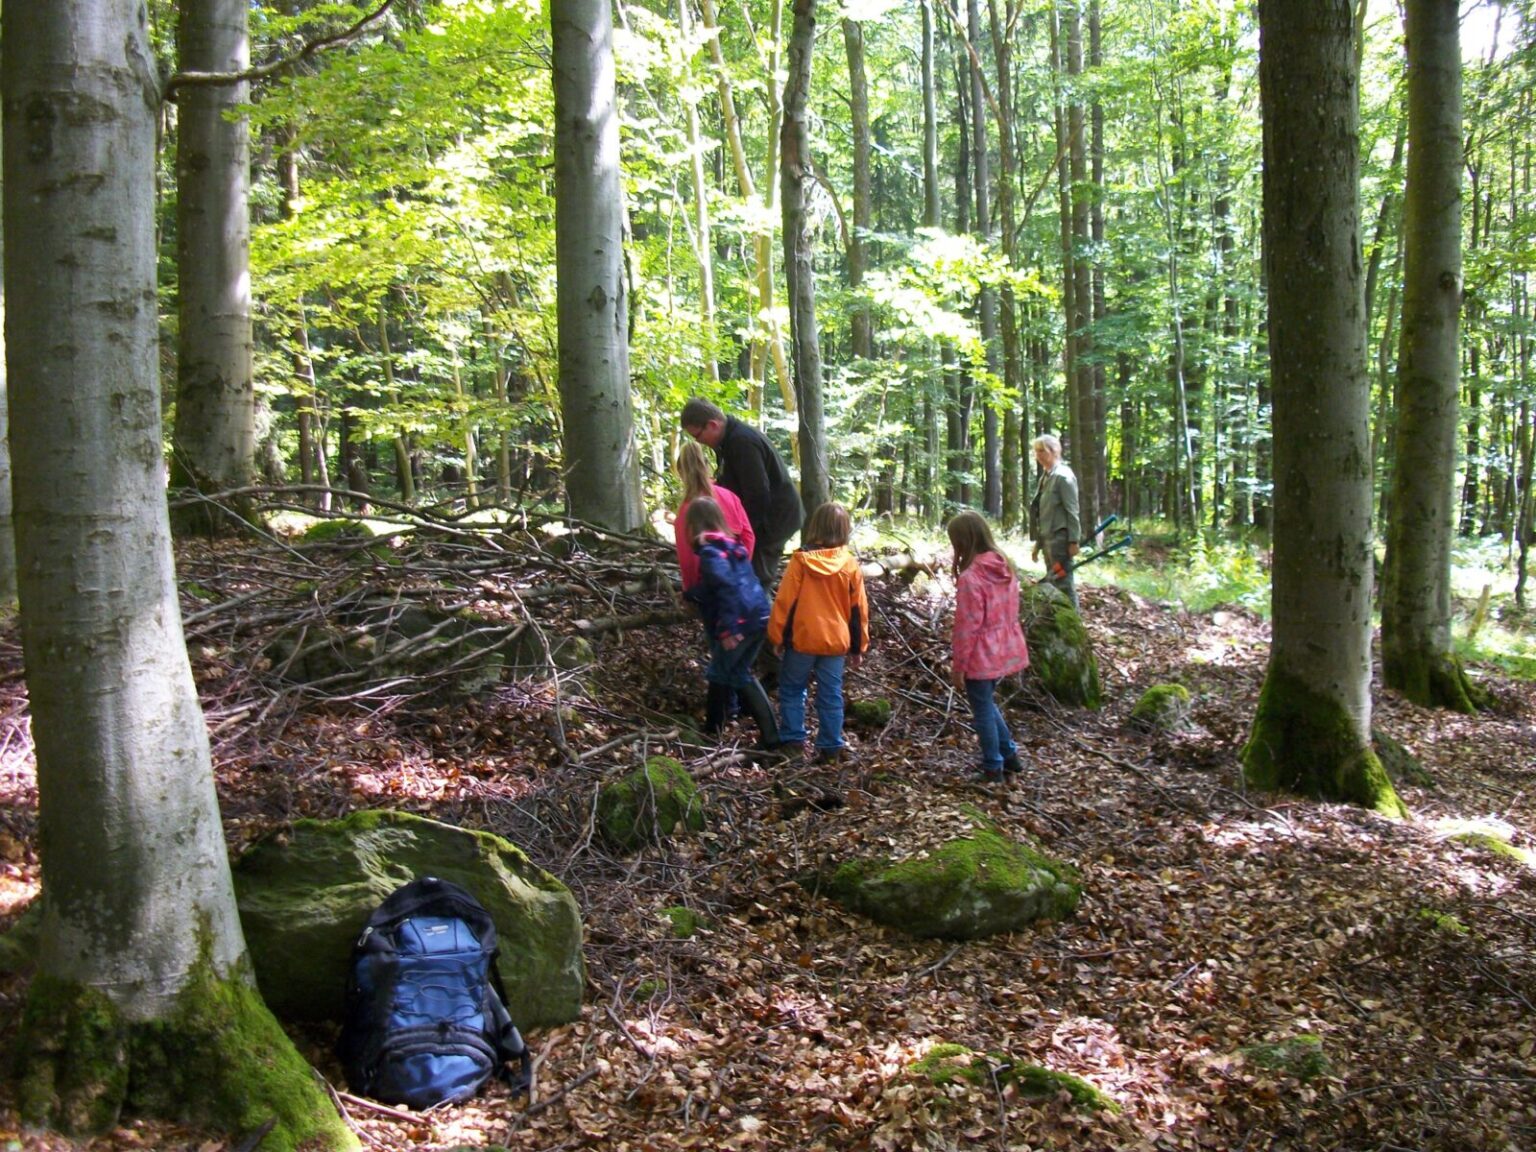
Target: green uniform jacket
1059	523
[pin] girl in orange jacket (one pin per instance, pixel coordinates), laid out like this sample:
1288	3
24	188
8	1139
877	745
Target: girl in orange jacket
820	620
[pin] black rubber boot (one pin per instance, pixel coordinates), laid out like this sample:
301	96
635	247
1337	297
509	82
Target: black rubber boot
755	700
717	708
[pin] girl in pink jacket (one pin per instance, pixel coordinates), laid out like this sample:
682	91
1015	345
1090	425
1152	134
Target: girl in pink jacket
988	642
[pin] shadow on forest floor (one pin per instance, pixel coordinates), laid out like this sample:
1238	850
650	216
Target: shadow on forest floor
1212	920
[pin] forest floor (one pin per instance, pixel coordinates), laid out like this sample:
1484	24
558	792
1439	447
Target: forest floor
1212	919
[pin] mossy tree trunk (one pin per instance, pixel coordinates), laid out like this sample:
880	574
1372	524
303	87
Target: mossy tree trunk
1311	732
1416	654
140	941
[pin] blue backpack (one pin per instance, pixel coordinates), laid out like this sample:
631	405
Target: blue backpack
426	1021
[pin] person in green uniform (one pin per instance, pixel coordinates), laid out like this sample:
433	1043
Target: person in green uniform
1057	525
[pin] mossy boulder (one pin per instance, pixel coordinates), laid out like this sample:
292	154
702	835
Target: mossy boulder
1162	708
306	893
952	1063
871	713
335	531
649	805
1299	1056
1060	652
963	889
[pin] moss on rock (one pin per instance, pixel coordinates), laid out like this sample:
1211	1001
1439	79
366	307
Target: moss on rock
1299	1056
1488	842
951	1063
305	894
871	713
1162	708
965	889
1060	652
649	805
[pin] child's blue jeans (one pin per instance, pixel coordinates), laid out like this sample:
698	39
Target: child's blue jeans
991	728
733	667
794	677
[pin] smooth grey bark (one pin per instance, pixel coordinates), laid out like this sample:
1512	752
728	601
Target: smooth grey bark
7	519
861	322
1086	449
133	853
933	408
214	440
1311	731
602	465
1016	422
704	245
799	258
1416	654
141	961
986	304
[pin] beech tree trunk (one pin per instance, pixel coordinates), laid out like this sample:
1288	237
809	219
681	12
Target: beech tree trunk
1416	654
1311	731
861	334
214	440
1086	450
7	520
602	464
799	258
986	304
1016	423
141	956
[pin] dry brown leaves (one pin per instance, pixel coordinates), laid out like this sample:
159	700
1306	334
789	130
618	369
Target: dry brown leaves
1211	919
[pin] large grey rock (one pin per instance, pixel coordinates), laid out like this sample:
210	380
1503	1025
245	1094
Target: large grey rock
1060	652
964	889
306	893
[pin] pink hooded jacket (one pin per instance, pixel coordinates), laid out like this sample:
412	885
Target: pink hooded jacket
735	519
988	642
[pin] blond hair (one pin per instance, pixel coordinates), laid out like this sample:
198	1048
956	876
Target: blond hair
692	468
970	535
830	526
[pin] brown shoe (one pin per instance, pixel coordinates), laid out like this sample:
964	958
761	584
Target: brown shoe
829	755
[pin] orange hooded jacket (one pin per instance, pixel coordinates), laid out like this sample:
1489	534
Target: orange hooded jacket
821	608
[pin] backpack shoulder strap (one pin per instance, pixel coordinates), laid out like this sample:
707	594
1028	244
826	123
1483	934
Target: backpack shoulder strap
510	1047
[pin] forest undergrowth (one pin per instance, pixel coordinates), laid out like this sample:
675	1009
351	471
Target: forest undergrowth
1218	931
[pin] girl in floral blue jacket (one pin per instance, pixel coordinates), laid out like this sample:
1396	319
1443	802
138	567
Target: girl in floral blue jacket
735	613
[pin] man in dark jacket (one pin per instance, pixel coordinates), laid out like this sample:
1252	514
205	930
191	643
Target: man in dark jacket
749	467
